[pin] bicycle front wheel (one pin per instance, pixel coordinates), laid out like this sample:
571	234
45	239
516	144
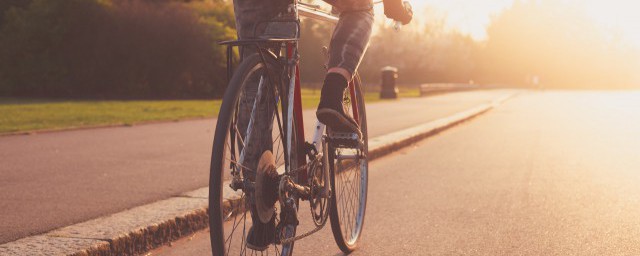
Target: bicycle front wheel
349	173
251	122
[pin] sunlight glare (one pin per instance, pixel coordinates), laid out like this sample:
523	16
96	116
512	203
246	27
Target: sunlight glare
472	17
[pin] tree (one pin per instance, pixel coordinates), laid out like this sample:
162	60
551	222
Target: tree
314	36
115	49
424	52
6	5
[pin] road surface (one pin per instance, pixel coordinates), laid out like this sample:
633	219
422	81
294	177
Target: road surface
53	180
553	173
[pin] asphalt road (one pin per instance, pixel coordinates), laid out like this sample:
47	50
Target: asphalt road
53	180
553	173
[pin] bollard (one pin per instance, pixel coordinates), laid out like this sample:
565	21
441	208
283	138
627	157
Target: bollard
388	89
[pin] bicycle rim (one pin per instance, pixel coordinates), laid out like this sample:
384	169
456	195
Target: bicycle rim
235	147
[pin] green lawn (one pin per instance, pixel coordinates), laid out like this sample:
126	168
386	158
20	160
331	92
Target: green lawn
27	115
20	115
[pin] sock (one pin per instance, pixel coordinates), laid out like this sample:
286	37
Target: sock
333	87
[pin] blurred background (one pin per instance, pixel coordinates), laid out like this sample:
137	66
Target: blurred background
166	49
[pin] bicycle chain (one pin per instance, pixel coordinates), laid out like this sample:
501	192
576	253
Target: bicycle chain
318	227
296	238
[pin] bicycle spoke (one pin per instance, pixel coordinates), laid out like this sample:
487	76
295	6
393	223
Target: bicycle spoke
243	244
233	230
279	154
239	135
345	202
241	166
348	184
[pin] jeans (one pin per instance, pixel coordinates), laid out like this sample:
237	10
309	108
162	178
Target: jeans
350	38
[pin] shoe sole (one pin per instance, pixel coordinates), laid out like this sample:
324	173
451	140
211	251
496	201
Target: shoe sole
255	248
337	122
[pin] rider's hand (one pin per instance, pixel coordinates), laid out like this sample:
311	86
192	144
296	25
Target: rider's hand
397	10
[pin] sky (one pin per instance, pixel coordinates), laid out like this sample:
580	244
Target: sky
472	16
621	15
468	16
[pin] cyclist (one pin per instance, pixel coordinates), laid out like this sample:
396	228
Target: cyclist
349	42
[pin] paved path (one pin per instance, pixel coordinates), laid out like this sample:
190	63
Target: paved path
554	173
57	179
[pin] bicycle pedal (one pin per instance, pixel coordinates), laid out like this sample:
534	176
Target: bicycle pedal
344	139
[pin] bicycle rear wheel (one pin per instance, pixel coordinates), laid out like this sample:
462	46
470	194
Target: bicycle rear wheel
349	177
250	111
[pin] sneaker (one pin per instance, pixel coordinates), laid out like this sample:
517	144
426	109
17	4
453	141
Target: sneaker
261	235
331	110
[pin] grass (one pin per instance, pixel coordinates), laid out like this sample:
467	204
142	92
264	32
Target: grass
22	115
28	115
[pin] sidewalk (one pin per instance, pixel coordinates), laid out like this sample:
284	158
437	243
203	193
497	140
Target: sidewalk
57	179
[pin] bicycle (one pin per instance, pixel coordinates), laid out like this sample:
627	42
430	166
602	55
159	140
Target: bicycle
330	171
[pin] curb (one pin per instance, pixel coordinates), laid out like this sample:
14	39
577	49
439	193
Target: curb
143	228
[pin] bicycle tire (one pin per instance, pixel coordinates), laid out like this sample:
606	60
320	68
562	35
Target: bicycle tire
348	229
220	209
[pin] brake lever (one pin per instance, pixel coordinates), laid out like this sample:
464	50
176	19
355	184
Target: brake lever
397	25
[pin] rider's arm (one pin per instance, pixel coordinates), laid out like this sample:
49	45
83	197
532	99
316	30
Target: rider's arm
396	10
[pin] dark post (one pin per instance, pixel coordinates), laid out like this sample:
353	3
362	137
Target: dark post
389	90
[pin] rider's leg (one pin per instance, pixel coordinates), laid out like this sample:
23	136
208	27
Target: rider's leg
249	13
348	45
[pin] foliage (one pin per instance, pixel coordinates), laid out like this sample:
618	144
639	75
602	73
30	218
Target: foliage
167	49
555	41
219	20
114	49
426	52
31	42
6	5
314	36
